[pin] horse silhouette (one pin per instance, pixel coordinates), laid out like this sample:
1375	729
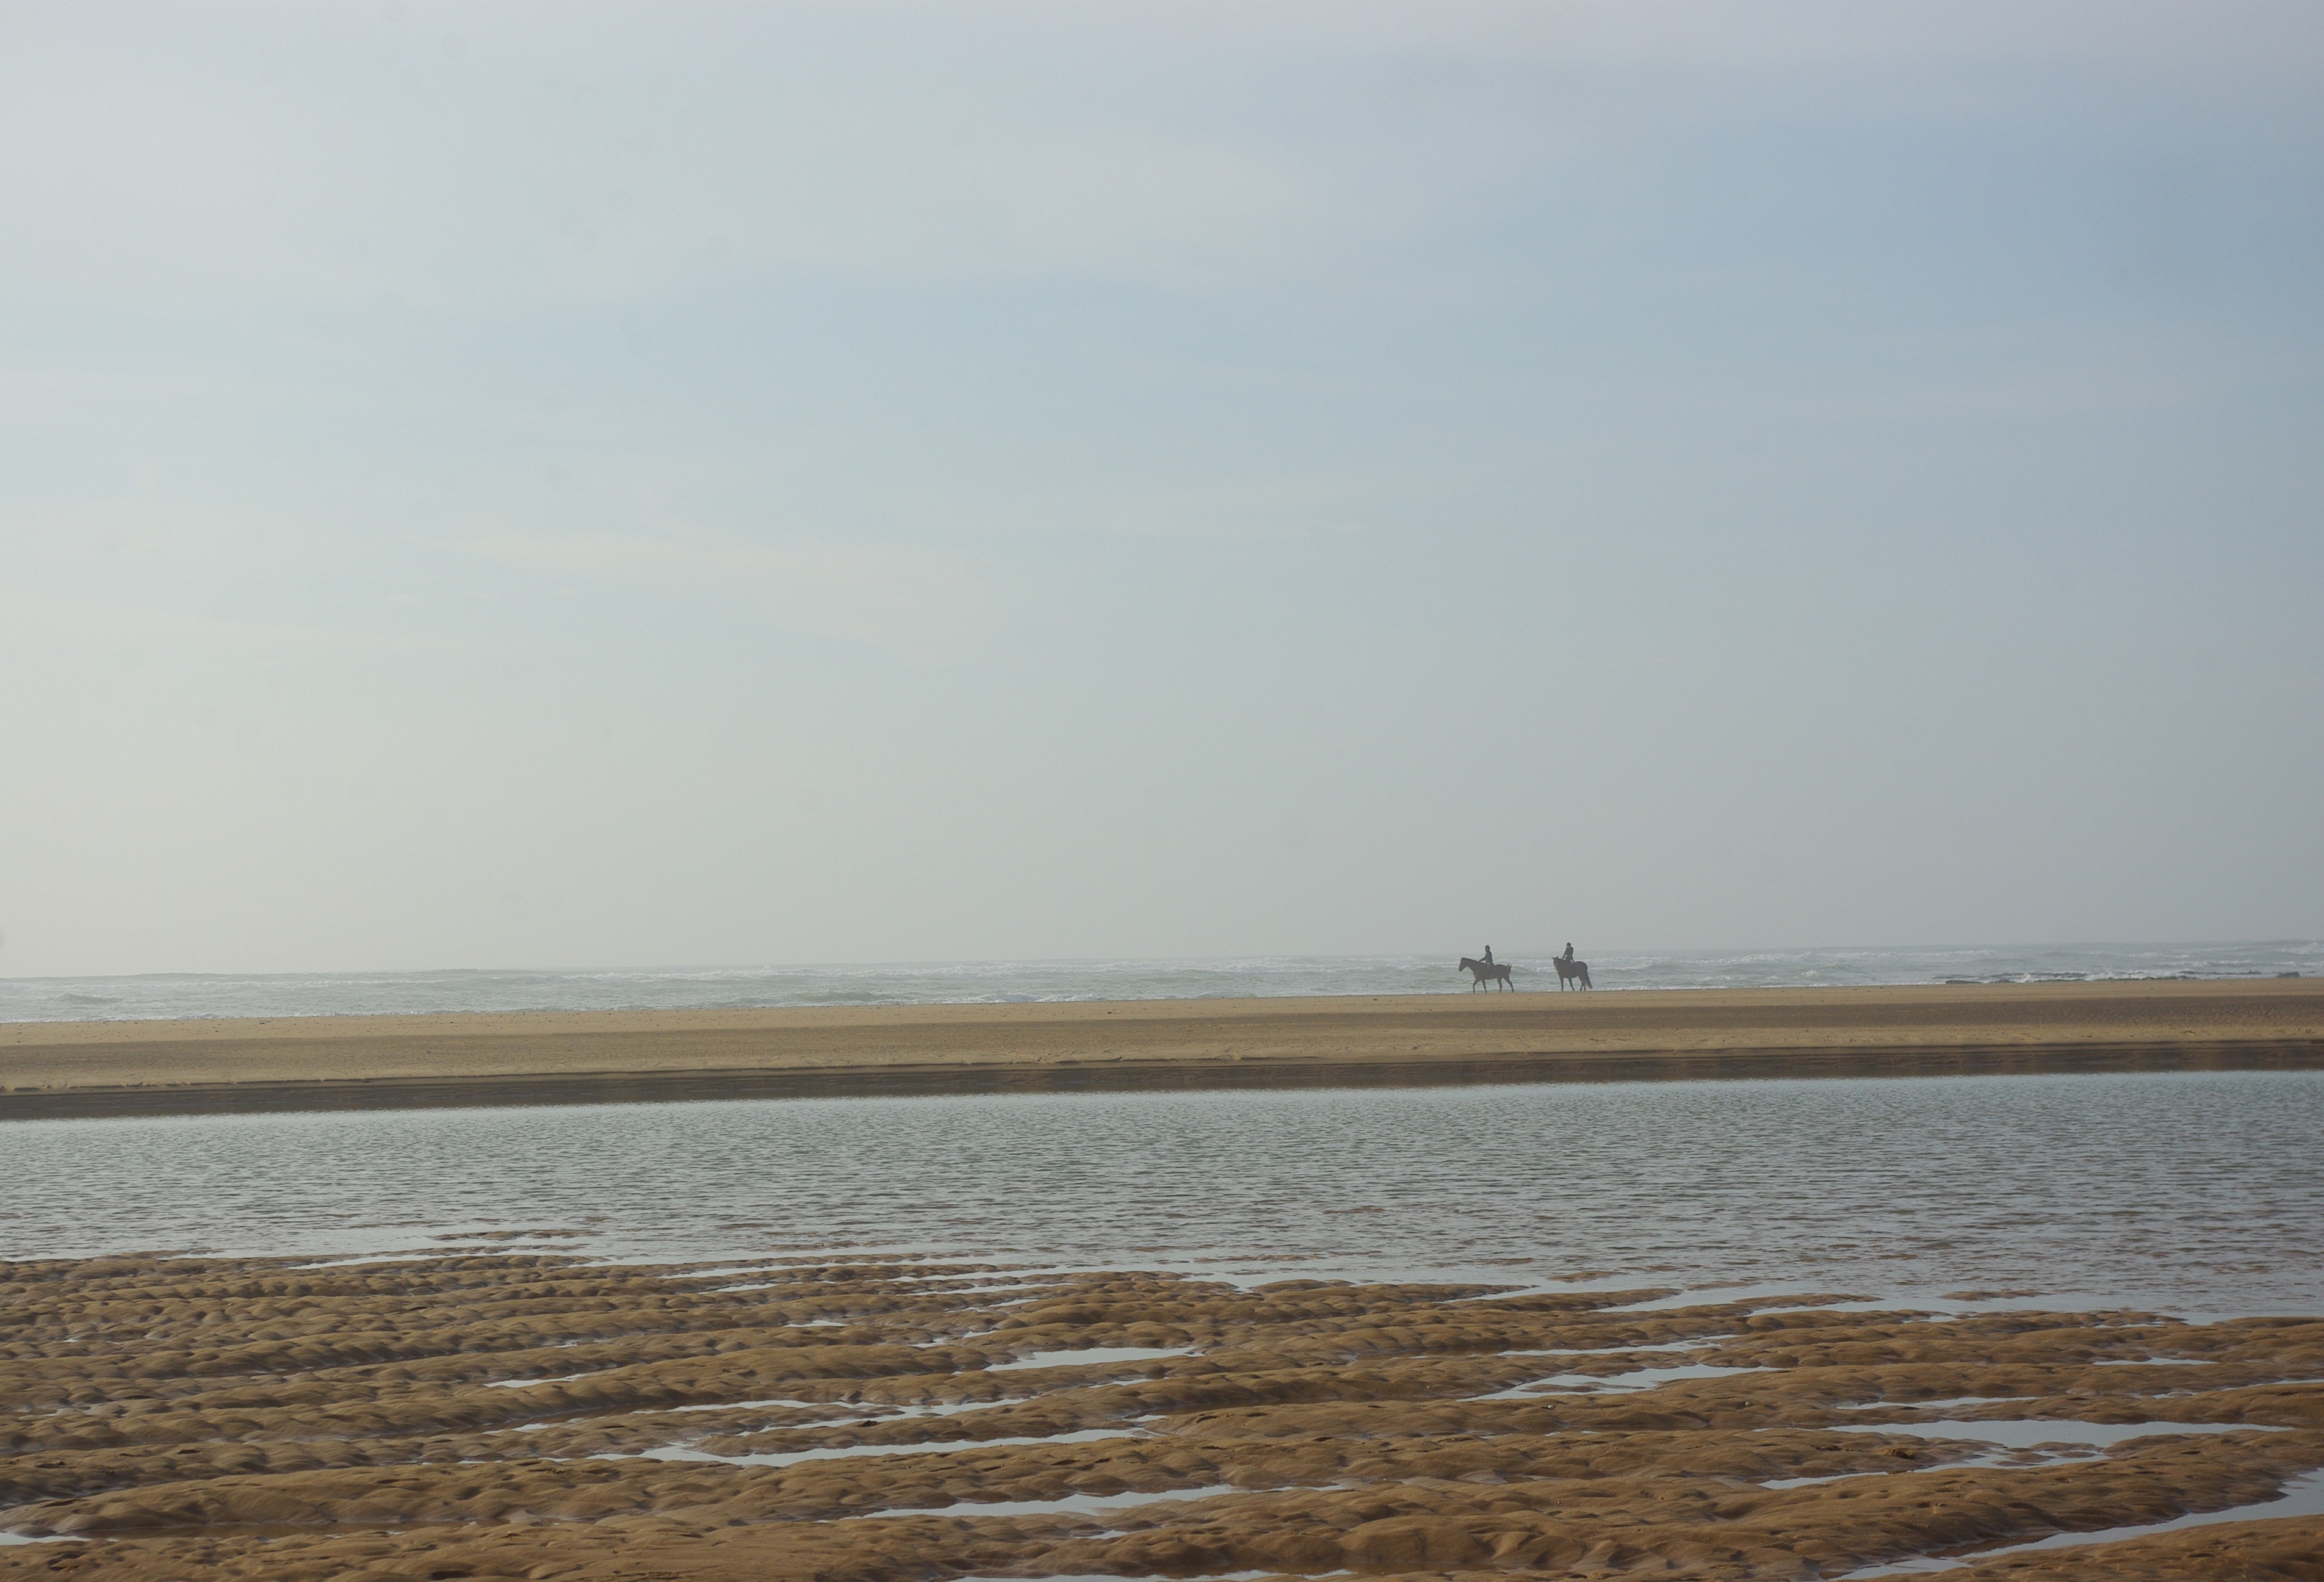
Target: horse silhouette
1568	970
1484	972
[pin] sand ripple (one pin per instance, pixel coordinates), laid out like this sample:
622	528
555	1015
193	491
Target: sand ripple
866	1421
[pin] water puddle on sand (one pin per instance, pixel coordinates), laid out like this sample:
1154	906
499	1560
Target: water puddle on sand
1635	1379
866	1411
1066	1505
829	1413
2304	1496
2017	1442
1699	1343
793	1457
2017	1461
1092	1355
1213	1576
774	1285
1760	1298
2155	1362
1014	1287
1930	1405
2027	1433
561	1378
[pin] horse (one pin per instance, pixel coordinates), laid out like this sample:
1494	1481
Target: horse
1484	972
1568	970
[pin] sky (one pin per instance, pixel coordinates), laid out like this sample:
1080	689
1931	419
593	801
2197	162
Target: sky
593	485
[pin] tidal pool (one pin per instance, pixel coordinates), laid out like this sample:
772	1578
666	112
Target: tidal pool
2197	1193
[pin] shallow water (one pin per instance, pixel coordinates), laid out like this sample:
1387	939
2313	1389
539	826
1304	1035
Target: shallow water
2200	1194
1065	1505
2028	1433
348	994
2301	1498
1090	1355
1635	1379
843	1452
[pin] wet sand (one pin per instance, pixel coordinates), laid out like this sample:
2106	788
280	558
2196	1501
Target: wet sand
505	1414
54	1069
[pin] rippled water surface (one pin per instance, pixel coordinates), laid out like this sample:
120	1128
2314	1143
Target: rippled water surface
2193	1193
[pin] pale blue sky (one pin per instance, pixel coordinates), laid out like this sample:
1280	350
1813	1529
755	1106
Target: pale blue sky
555	485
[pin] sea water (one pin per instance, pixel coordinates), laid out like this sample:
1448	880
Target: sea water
350	994
2200	1194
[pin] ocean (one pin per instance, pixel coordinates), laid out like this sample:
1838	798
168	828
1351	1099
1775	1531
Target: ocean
151	996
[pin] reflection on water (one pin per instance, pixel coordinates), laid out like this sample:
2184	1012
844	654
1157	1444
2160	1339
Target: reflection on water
1089	1355
2301	1498
2030	1433
1072	1506
2194	1193
687	1452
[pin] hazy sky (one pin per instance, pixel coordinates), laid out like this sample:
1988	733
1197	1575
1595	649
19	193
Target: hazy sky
587	485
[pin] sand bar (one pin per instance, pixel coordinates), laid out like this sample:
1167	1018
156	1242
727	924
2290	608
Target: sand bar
93	1068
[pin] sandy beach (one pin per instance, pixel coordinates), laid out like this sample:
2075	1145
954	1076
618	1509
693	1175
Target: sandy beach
92	1068
508	1414
506	1403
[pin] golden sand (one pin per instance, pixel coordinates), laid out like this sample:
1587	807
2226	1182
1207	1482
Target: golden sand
255	1419
194	1067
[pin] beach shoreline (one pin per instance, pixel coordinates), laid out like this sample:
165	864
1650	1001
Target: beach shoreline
86	1069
